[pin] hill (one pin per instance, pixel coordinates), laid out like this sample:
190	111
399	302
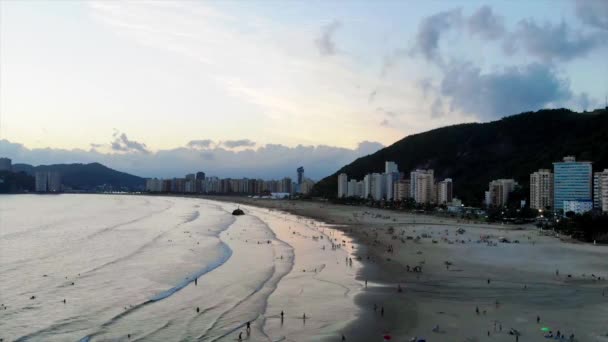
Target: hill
87	176
476	153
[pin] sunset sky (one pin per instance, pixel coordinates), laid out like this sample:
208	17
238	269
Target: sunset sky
121	81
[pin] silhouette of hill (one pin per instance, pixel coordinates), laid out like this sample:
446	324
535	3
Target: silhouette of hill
87	176
474	154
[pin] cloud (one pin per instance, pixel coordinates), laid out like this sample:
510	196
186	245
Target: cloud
552	41
238	143
325	43
593	13
387	112
486	24
503	92
430	31
437	108
270	161
200	144
372	95
122	144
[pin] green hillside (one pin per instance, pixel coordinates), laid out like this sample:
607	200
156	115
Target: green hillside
474	154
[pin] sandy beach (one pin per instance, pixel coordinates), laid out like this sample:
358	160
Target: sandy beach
471	286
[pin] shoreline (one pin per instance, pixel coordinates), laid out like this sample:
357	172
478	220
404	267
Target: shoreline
444	296
477	281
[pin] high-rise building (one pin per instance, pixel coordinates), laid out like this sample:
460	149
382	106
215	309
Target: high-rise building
48	181
498	192
367	186
378	186
300	175
600	190
390	167
286	185
572	181
444	191
541	189
402	189
342	185
6	164
306	186
422	186
390	179
200	175
190	176
351	190
41	181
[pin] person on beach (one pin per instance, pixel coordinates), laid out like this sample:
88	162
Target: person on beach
282	315
477	310
304	316
248	328
382	311
537	319
241	336
195	281
343	337
198	309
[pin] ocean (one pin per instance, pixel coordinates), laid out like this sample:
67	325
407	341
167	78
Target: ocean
154	268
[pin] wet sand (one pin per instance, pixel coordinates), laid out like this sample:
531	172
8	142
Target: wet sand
510	283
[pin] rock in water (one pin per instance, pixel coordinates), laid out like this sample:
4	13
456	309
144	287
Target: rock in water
238	211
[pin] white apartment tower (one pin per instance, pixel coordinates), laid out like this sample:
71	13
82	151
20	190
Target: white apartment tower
498	192
351	190
390	167
600	190
342	185
378	186
541	189
444	191
367	186
422	186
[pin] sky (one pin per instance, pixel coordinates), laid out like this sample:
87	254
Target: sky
257	88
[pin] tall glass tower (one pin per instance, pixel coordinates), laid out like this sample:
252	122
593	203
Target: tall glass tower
300	174
572	181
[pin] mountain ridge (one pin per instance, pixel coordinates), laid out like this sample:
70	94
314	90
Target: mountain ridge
473	154
88	176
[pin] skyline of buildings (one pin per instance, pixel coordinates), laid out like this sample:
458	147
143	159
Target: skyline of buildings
199	183
392	185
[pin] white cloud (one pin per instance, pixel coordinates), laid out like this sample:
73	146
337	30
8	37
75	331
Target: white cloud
267	161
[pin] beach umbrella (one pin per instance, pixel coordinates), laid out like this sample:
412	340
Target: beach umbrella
545	329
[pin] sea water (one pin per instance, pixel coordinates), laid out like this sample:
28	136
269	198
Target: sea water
117	267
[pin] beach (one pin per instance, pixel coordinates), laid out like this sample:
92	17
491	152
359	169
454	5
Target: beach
152	268
471	287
